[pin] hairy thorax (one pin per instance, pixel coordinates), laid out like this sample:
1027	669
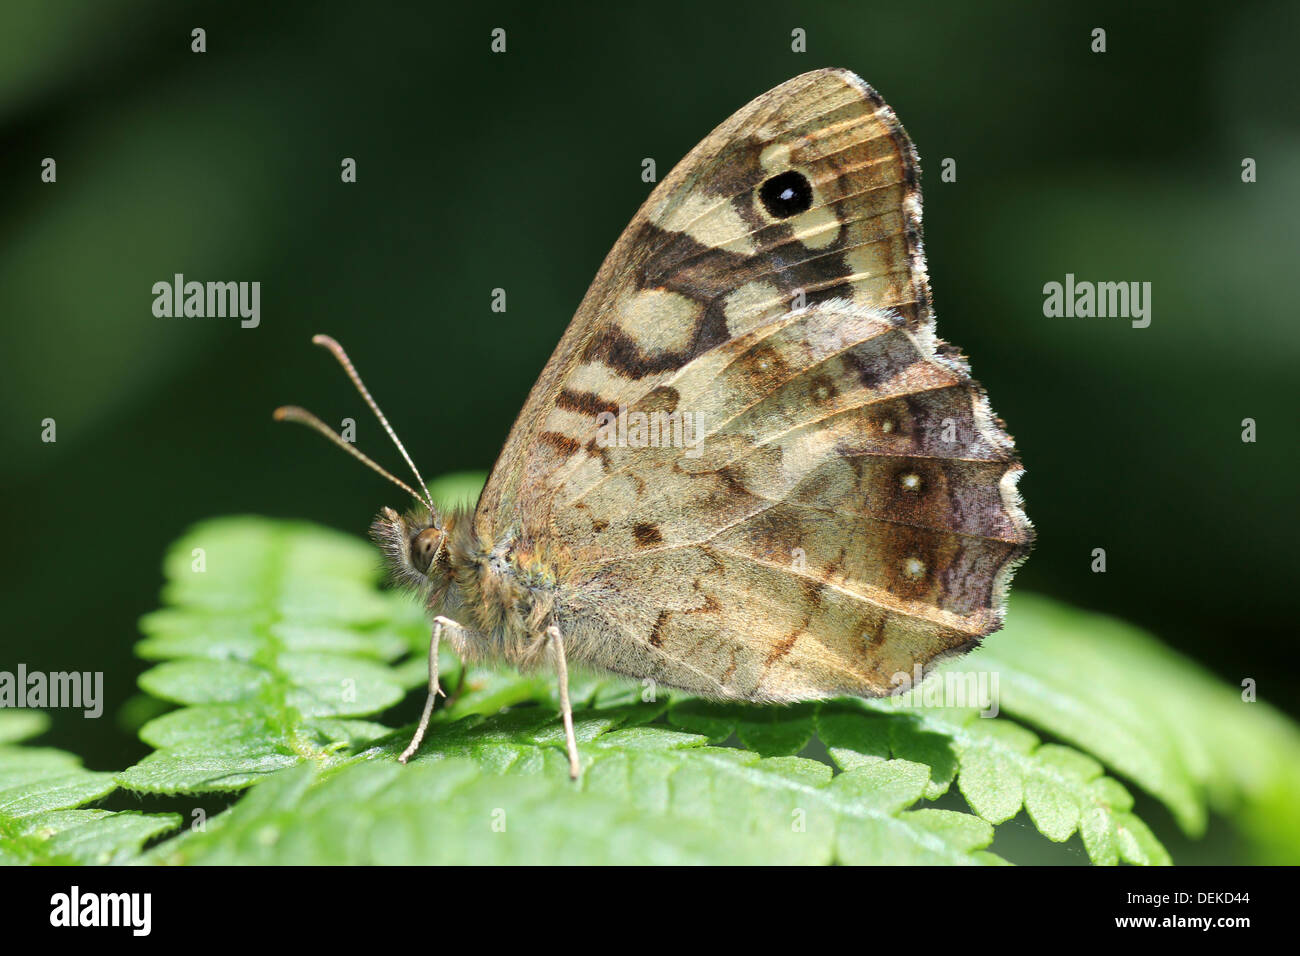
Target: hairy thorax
502	590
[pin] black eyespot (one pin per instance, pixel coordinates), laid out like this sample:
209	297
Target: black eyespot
786	194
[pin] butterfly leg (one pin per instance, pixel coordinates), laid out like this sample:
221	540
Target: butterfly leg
566	709
434	690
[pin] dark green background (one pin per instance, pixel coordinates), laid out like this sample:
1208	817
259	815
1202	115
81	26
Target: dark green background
478	171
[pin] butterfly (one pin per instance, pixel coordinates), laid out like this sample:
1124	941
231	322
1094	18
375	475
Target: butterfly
750	470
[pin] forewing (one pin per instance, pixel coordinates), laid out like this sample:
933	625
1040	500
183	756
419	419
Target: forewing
703	261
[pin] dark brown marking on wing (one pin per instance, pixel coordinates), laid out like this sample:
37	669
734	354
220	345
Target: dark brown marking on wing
730	476
647	535
812	590
661	399
563	443
710	605
656	639
822	389
731	668
786	644
881	358
908	544
596	450
585	402
763	368
877	636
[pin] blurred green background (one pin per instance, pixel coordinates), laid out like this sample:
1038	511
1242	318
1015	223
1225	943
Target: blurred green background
478	171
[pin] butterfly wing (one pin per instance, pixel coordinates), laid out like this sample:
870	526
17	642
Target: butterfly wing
832	500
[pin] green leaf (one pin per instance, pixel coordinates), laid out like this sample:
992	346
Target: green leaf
770	731
18	725
280	689
274	636
444	813
648	795
1000	769
40	791
1151	716
796	809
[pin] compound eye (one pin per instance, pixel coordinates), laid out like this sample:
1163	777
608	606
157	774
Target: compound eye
424	548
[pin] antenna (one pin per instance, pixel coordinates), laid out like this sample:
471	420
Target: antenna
292	413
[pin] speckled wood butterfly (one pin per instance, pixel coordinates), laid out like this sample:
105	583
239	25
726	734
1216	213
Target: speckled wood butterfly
750	470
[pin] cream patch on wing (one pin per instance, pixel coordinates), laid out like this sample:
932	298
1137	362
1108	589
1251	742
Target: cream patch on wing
775	158
711	221
817	227
579	426
658	320
751	306
595	377
878	271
